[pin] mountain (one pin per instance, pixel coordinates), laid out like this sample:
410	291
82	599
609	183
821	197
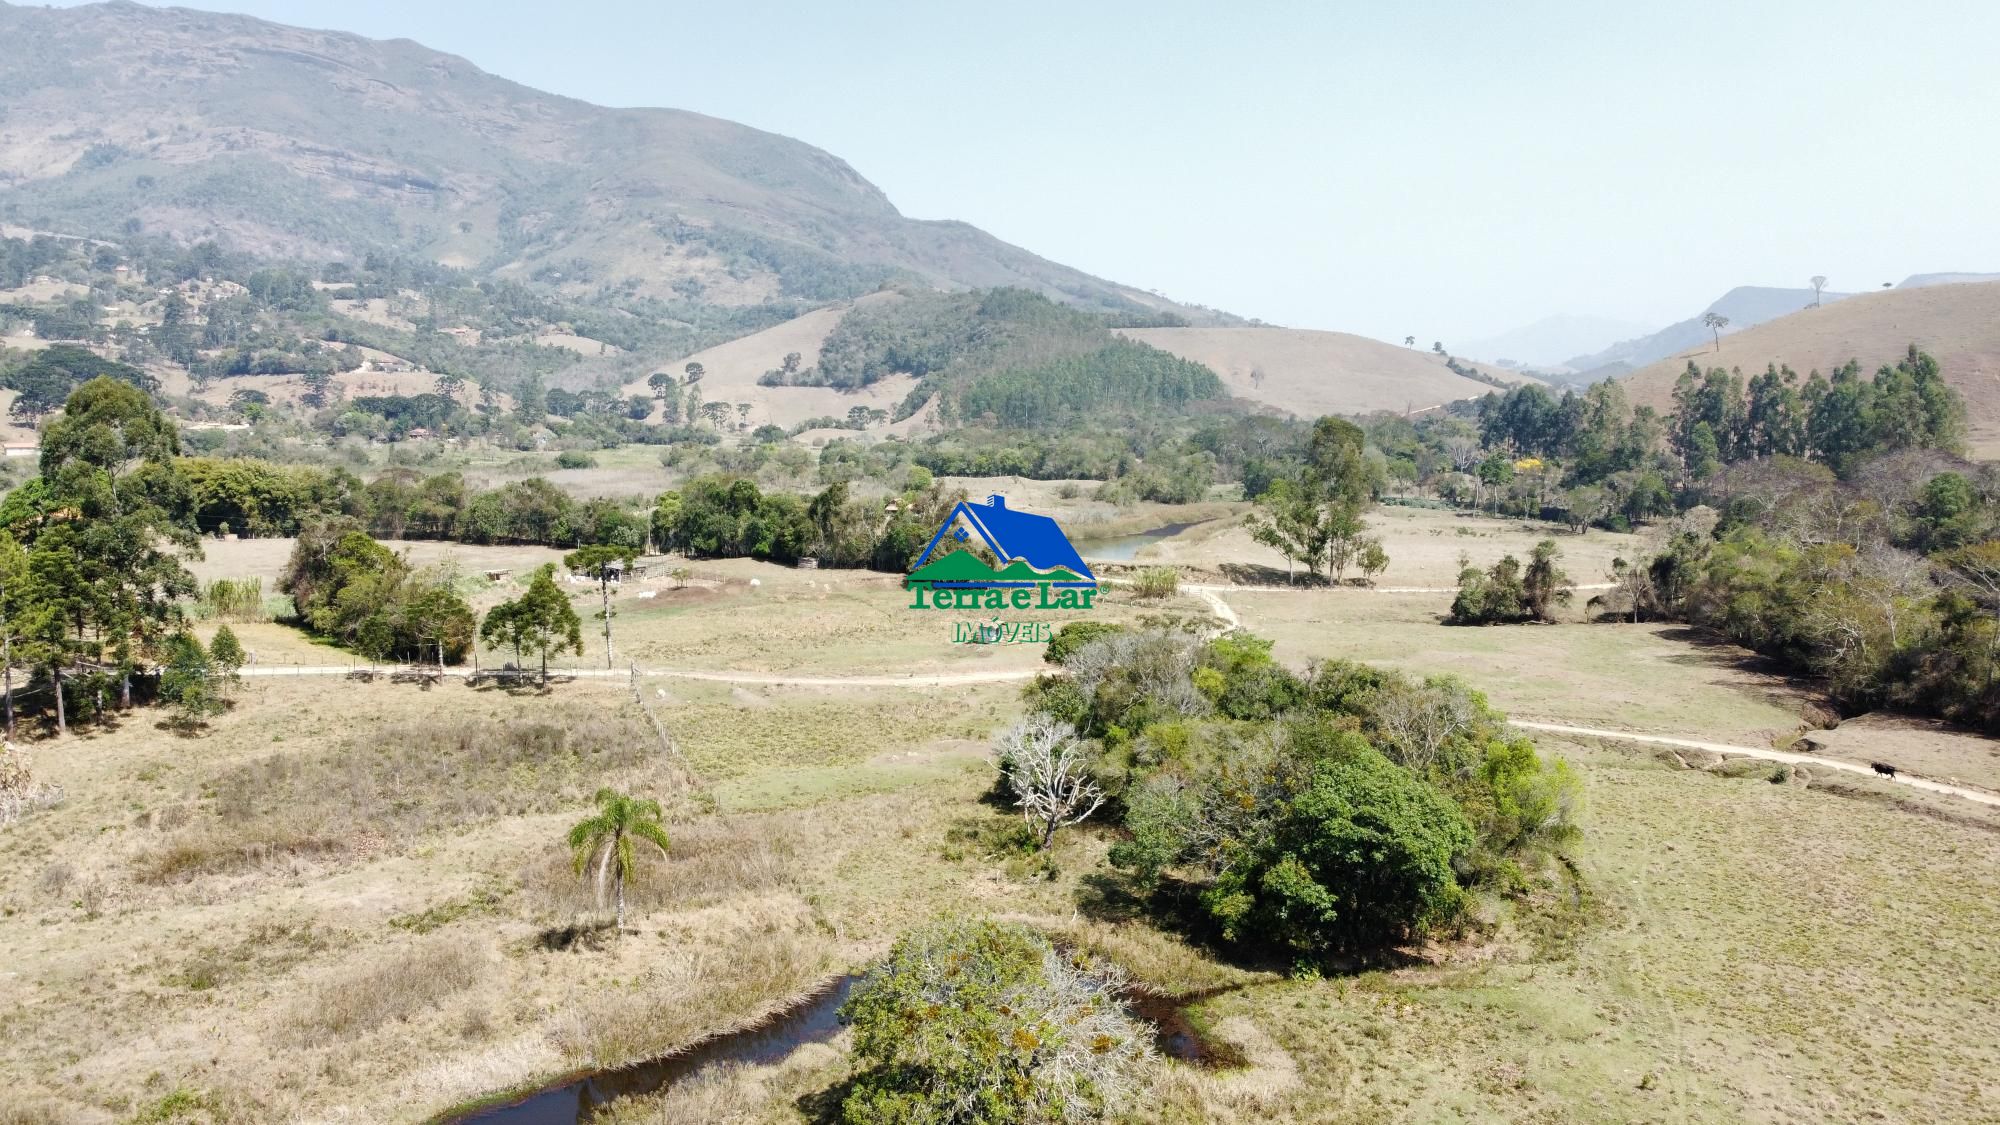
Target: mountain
1745	306
1958	324
320	145
1309	373
1551	341
1920	280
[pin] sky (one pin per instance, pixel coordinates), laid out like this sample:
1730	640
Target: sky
1440	169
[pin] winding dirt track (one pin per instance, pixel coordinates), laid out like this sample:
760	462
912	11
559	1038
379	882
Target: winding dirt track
1212	595
1976	795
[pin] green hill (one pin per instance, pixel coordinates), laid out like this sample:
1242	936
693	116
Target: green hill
1020	571
964	566
958	566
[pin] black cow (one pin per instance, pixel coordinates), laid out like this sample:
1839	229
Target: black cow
1884	768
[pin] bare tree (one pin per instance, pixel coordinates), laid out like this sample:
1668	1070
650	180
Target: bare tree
1715	322
1044	764
1819	286
1422	719
1464	451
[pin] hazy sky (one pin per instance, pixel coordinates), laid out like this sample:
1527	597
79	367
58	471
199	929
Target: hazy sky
1442	169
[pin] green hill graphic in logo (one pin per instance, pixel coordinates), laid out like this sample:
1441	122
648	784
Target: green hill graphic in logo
966	567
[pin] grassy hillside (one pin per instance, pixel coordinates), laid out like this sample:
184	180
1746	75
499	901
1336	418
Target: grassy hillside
1958	324
1744	306
320	145
1311	373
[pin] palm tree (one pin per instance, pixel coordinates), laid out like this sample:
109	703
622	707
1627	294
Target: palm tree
606	839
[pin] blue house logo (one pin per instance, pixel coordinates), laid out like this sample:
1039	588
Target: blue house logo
1033	556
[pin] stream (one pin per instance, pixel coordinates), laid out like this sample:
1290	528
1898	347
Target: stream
814	1019
1125	548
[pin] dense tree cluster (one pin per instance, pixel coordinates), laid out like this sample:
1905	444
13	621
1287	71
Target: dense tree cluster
722	516
1336	811
1886	583
1002	357
91	573
1506	594
46	379
351	589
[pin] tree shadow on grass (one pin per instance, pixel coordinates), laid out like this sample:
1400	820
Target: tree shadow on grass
1257	574
822	1107
1763	677
1174	906
590	935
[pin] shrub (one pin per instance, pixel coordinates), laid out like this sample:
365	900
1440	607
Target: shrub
234	599
1074	636
1319	845
1157	582
575	459
978	1021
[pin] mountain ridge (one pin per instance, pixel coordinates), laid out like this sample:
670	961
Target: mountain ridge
324	144
1745	306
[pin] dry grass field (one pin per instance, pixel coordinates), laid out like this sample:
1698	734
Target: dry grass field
731	371
1310	373
1959	324
350	901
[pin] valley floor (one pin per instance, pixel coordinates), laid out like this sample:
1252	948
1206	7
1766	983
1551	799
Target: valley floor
351	901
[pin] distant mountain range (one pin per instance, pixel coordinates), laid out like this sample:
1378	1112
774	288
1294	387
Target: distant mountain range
1745	305
1551	341
1922	280
118	119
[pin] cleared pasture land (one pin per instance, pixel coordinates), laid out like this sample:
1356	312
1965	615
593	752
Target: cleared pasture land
351	900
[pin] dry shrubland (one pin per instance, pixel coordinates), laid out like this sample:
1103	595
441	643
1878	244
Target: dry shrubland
398	985
400	781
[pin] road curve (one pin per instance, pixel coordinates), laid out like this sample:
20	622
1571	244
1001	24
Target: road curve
1974	795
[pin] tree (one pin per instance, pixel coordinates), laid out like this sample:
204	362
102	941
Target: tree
694	373
1326	846
1715	322
1292	520
662	384
13	608
319	386
1545	585
225	655
1818	286
1373	560
116	500
605	841
187	681
980	1021
1044	764
597	562
1409	341
541	621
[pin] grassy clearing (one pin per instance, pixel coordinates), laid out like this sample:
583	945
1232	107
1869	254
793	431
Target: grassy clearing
182	946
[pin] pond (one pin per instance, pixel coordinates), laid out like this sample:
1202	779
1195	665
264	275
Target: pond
814	1019
1125	548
